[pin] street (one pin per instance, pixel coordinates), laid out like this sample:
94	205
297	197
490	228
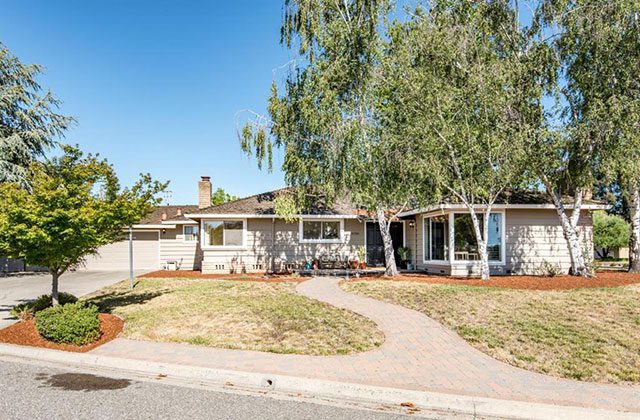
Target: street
35	392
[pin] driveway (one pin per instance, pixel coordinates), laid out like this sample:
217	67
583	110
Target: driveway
20	288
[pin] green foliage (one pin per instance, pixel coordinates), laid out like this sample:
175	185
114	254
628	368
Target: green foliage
609	231
27	310
286	206
220	196
29	123
73	323
75	206
404	253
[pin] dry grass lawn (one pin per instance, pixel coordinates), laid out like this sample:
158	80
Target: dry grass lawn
268	317
585	334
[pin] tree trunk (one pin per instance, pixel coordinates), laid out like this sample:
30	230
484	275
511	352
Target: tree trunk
634	238
389	255
481	235
571	235
54	288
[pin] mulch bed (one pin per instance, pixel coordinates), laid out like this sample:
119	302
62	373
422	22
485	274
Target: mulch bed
603	279
271	278
25	334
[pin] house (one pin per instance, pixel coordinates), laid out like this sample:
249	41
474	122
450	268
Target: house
246	235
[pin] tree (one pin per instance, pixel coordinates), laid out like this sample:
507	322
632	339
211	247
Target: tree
29	123
74	206
326	118
609	232
463	101
593	127
220	196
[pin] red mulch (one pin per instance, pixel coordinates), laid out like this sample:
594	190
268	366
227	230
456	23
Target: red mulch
603	279
25	334
271	278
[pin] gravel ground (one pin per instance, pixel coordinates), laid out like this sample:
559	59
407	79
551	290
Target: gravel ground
35	392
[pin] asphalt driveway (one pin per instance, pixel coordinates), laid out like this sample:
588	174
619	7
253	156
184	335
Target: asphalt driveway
20	288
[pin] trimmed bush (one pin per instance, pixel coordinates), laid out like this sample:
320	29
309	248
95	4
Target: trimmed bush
73	323
26	311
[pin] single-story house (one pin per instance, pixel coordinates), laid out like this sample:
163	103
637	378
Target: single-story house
246	235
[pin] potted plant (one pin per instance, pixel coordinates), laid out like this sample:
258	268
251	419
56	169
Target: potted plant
354	263
405	256
362	257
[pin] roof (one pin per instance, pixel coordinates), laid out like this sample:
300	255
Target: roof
155	217
264	204
513	199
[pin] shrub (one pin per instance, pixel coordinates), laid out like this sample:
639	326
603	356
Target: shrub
548	269
73	323
26	311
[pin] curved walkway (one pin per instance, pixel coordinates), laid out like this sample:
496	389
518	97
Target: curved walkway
418	353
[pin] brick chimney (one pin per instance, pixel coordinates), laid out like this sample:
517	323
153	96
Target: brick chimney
178	211
163	216
204	192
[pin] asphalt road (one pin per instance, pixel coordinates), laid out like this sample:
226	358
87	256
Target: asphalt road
35	392
20	288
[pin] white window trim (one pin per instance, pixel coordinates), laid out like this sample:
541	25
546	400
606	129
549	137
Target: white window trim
427	219
320	241
204	237
452	260
184	235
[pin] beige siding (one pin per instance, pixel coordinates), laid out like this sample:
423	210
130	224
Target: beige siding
262	252
188	255
115	256
533	238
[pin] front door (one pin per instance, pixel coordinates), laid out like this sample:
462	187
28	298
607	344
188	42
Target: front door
375	247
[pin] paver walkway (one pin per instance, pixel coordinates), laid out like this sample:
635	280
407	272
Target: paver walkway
418	354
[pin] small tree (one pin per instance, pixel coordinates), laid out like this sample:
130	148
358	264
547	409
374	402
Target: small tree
74	206
609	232
220	196
29	123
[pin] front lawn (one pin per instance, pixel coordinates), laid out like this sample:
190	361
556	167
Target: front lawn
587	334
236	315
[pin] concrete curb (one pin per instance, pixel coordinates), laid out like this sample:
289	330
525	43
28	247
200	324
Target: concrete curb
219	379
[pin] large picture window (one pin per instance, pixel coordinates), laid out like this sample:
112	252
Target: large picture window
224	233
320	231
465	245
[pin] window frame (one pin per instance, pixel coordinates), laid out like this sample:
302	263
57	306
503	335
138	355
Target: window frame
338	240
204	236
425	220
196	233
451	246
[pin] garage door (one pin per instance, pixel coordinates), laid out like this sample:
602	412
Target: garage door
146	254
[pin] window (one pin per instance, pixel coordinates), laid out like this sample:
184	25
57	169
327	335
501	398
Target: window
466	245
190	233
439	238
320	231
224	233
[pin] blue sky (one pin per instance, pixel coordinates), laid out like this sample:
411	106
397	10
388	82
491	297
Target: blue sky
155	85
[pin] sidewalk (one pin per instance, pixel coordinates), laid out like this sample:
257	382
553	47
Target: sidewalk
418	354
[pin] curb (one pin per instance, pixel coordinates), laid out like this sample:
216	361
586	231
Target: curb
220	379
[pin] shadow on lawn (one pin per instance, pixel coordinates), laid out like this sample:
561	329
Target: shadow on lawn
107	303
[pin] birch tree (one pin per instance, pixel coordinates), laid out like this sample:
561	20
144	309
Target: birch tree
464	87
324	116
594	129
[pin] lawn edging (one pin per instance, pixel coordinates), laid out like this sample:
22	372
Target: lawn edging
304	388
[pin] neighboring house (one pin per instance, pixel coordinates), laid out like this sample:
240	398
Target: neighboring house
246	235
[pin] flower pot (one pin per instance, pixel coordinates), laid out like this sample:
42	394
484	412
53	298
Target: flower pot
363	265
353	265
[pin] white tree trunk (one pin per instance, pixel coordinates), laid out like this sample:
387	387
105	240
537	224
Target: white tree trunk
634	239
481	235
389	256
571	235
54	288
